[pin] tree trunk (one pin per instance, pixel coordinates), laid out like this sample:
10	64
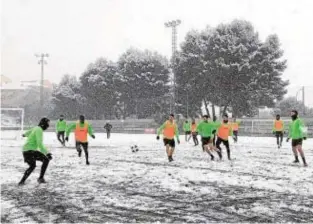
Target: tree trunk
206	107
224	110
213	110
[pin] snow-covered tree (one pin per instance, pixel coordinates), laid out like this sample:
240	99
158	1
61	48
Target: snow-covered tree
232	68
144	88
67	98
99	86
191	84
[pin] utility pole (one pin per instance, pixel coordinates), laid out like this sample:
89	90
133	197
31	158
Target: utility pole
173	24
42	62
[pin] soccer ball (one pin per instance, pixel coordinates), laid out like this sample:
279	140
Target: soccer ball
134	148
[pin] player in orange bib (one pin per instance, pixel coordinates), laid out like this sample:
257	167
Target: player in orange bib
194	132
235	128
223	131
82	129
278	130
170	131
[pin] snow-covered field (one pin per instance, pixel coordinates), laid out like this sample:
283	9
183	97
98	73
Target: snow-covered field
260	185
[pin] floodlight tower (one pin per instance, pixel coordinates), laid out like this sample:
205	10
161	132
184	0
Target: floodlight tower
42	62
173	24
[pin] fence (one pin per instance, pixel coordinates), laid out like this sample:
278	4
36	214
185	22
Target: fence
247	127
263	127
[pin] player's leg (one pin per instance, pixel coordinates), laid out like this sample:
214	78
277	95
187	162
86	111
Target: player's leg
59	137
63	137
45	162
189	137
207	146
226	143
214	140
172	149
78	148
294	144
85	147
30	160
300	150
218	146
277	138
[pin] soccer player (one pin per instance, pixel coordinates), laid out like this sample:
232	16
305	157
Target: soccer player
235	128
81	128
205	129
194	132
278	130
215	126
186	129
60	129
223	131
34	150
169	130
297	133
108	128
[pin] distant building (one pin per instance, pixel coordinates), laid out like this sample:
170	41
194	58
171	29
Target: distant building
13	94
36	83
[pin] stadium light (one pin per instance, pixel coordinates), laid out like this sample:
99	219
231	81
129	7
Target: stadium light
42	62
173	25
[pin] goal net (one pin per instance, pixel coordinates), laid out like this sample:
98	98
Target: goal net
12	123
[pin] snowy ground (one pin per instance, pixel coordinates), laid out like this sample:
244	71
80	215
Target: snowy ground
259	185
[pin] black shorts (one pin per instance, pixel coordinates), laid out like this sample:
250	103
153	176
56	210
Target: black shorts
83	144
194	133
278	133
296	142
235	133
187	132
32	156
220	140
206	140
170	142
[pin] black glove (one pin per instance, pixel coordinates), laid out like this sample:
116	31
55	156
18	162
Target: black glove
66	139
178	141
287	140
274	133
23	135
49	156
304	138
93	136
158	138
213	132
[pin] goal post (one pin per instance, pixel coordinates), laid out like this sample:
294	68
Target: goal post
12	123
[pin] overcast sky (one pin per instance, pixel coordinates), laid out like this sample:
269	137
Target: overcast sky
76	32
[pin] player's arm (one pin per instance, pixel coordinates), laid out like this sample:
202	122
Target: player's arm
230	131
273	129
90	130
39	140
70	128
303	129
27	133
161	128
289	131
177	133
